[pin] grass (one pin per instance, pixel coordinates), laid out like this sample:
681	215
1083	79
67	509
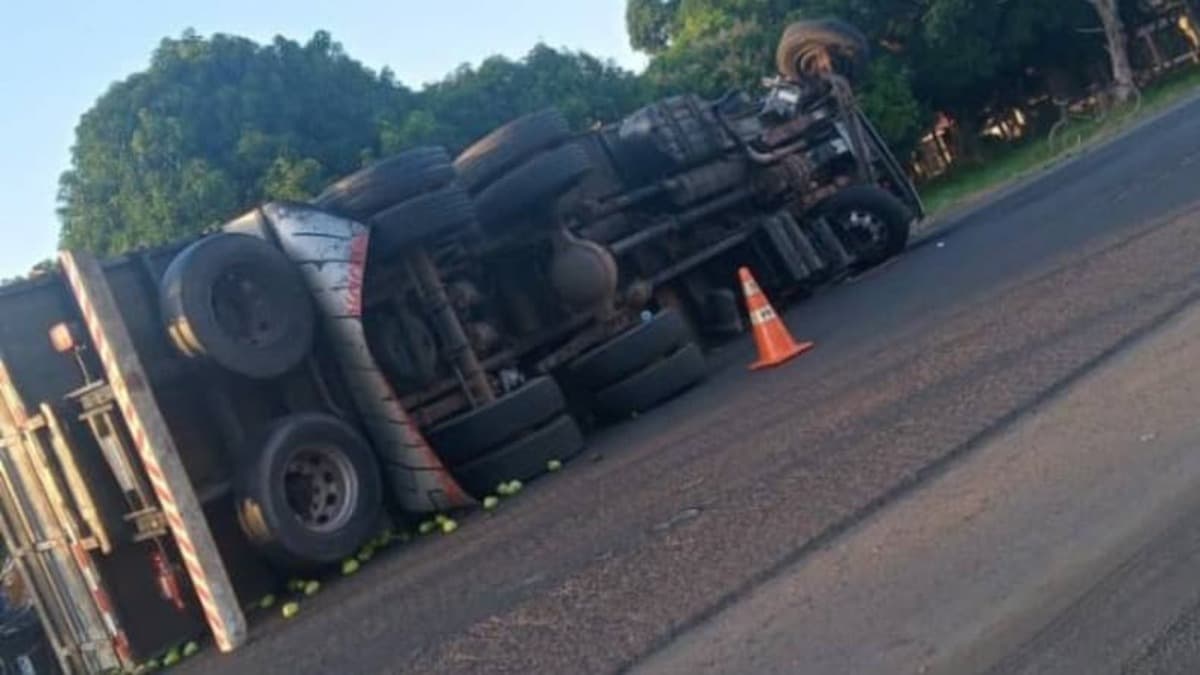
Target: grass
963	185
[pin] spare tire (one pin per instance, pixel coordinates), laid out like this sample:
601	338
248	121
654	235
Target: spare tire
308	491
489	157
535	183
240	302
390	181
846	46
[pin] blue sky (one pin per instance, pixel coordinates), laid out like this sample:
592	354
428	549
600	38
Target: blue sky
58	56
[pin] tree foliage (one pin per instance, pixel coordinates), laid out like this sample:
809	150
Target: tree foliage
217	125
649	23
214	126
472	101
967	58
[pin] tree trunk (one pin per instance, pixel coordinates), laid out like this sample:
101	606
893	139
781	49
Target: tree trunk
967	149
1114	32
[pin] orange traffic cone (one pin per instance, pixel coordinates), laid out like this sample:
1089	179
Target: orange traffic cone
775	343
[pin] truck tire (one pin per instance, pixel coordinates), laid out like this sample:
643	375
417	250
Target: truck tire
238	301
873	223
486	159
844	43
536	182
522	459
309	492
463	439
653	384
441	211
631	351
400	177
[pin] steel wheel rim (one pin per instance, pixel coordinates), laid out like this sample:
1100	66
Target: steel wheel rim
866	231
241	305
320	487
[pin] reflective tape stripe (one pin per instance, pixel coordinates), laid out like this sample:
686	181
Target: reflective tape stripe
224	619
762	315
100	597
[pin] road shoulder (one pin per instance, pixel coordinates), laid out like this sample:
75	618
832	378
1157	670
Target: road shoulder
1022	188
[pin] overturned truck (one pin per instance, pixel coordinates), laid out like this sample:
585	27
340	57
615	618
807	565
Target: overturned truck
183	425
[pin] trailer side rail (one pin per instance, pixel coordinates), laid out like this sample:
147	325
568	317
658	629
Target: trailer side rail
156	448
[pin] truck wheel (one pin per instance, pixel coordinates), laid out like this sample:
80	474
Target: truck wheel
631	351
241	303
489	157
468	436
400	177
803	41
309	493
396	229
538	180
653	384
872	222
522	459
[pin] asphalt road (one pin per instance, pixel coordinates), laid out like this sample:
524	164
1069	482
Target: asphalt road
671	518
1057	546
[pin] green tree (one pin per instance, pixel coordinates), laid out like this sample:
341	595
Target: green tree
649	23
727	53
472	101
706	46
213	127
968	58
889	101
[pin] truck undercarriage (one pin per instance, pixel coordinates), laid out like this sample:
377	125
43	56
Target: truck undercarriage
424	331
